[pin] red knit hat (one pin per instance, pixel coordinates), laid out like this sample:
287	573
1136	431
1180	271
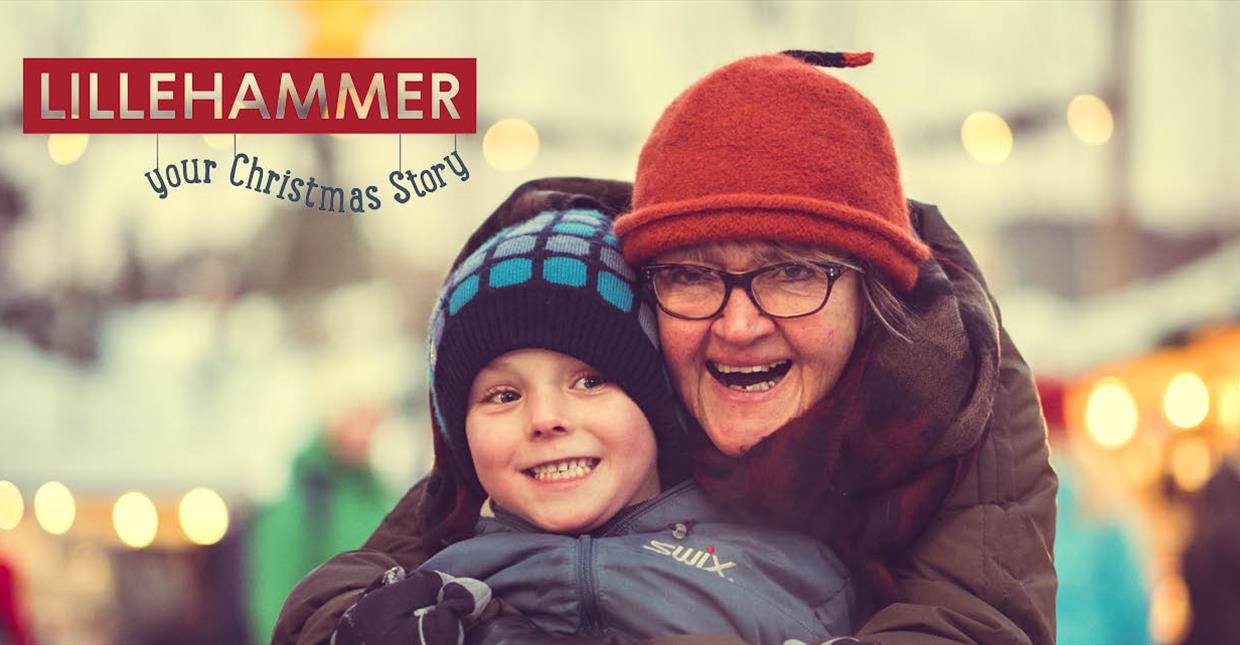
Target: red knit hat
772	148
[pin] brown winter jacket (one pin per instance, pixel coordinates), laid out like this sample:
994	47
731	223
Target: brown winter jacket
981	572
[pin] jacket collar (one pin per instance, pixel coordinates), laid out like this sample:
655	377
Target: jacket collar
681	503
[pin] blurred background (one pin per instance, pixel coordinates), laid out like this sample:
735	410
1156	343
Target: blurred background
203	397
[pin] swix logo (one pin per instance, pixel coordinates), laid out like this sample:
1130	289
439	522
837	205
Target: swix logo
696	558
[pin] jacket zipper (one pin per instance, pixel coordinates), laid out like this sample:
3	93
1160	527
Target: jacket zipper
585	583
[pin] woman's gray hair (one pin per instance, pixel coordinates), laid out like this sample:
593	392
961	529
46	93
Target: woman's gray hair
883	306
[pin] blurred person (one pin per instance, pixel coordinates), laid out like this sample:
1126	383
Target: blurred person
882	409
1212	559
560	422
13	627
1104	594
333	502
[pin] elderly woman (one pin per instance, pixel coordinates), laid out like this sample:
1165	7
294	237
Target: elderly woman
835	345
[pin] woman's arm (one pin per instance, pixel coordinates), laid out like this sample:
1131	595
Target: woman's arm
982	572
310	613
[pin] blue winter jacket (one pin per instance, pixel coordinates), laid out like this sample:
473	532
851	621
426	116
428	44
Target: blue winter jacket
674	564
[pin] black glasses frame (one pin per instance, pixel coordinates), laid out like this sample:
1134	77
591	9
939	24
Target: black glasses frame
834	271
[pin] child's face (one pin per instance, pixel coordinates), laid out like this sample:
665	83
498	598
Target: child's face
533	411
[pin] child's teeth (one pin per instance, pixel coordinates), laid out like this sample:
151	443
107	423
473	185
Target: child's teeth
567	469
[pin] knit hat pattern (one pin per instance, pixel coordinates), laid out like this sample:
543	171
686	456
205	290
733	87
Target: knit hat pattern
772	148
557	281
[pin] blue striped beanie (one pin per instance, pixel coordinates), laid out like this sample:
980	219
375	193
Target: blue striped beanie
557	281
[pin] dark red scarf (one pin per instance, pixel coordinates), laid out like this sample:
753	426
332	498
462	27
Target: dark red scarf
868	467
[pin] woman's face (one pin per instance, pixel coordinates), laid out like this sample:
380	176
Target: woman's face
712	361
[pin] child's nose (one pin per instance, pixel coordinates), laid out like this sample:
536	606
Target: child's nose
547	417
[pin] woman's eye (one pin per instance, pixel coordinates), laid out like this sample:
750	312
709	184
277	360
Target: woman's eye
590	382
686	275
793	272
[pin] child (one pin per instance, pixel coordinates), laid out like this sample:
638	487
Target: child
548	385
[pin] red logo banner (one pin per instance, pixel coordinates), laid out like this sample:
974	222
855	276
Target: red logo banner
249	95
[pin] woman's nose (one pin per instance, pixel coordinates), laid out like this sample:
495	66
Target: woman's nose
741	321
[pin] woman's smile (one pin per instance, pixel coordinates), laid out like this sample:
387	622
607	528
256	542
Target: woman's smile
749	378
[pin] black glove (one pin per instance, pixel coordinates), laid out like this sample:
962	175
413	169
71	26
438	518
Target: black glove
422	608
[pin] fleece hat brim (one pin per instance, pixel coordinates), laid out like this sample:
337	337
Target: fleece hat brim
772	148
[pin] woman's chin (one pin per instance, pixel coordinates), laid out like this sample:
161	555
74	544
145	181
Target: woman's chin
736	421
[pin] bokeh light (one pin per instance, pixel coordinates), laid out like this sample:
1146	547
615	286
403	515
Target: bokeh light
65	149
1111	413
986	137
1090	119
1169	610
54	508
1186	401
135	519
204	516
1142	461
11	506
1229	410
1191	464
510	145
220	141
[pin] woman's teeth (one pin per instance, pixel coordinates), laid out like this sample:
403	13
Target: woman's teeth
749	378
729	369
565	469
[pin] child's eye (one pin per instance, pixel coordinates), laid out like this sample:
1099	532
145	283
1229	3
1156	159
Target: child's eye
501	396
590	382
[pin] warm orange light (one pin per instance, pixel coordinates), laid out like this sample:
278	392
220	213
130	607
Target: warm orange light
66	149
1111	413
135	519
1186	402
1229	410
54	508
986	137
1090	119
1169	610
1142	461
11	506
203	516
1191	463
510	145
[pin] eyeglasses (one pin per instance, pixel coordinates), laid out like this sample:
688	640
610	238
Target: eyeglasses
786	290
